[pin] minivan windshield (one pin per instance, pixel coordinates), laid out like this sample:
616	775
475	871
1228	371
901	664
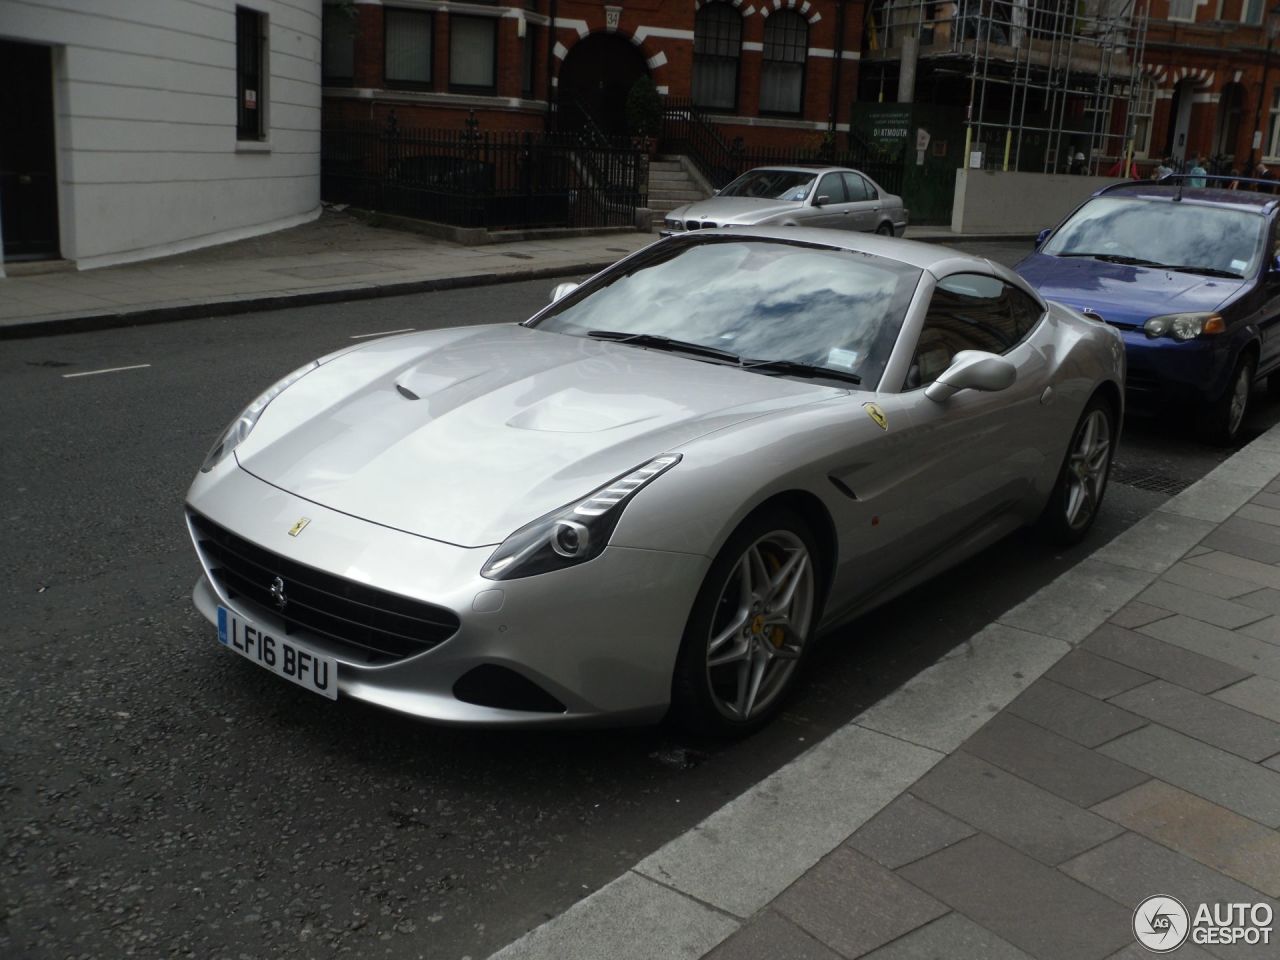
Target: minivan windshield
752	301
1163	233
772	185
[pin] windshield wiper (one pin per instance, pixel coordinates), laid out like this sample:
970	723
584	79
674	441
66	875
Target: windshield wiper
1202	271
795	368
1116	258
656	342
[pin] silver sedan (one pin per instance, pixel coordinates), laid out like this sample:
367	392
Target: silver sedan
652	495
836	198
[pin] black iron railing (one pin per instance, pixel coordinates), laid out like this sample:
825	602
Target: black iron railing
472	178
687	131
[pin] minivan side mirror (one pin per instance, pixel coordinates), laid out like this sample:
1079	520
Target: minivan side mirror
972	370
1042	236
562	290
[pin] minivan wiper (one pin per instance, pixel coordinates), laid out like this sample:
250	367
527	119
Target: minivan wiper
656	342
794	368
1115	258
1202	271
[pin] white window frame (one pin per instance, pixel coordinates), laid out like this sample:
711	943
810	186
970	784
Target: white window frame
1181	5
1144	110
1273	126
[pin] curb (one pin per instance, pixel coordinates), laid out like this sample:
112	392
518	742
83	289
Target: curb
224	306
697	890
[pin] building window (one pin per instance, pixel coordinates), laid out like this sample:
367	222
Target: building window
717	42
786	39
473	54
1182	9
338	47
251	101
528	58
1273	141
406	48
1251	12
1144	104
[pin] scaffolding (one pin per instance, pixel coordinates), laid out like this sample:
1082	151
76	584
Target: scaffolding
1051	84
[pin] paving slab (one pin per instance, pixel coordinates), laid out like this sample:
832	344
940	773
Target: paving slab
1216	497
853	905
1255	571
1134	951
1020	814
1262	599
1135	614
1247	788
907	830
1259	514
1072	605
953	937
1236	649
1072	714
1195	671
771	936
1054	763
1180	598
1267	629
1252	529
1036	908
1097	676
1245	547
1258	695
1204	831
1204	718
1155	542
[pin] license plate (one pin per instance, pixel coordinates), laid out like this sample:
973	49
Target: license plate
281	656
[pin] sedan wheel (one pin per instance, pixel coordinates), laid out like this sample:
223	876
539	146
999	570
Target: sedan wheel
885	230
749	629
1077	496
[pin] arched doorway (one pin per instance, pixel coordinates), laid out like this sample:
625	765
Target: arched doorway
1180	121
1230	110
596	77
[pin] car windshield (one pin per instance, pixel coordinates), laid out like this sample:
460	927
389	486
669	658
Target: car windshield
1165	233
758	300
772	185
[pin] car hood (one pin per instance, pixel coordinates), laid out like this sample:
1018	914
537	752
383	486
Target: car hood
465	435
1124	295
735	210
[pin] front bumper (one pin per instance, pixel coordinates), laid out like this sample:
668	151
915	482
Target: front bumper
601	637
1164	373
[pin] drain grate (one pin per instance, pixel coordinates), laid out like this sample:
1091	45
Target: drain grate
1148	479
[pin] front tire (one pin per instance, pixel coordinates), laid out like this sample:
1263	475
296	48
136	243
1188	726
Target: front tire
750	628
885	230
1225	417
1077	496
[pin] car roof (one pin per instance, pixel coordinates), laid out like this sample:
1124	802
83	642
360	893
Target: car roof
1165	191
801	168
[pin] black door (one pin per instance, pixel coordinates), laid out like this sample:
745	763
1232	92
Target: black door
28	184
597	75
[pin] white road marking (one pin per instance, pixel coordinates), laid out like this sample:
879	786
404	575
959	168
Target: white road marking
94	373
384	333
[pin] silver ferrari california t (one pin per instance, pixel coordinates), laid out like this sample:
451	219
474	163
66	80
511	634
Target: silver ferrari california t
654	494
836	198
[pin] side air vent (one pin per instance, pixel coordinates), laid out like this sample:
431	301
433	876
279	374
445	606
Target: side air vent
490	685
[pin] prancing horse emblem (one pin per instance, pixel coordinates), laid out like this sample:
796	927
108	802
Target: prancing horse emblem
277	593
298	527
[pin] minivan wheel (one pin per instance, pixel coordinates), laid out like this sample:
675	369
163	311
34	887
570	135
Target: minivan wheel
1222	422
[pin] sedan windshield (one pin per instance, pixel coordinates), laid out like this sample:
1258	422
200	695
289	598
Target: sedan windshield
752	300
1183	235
772	185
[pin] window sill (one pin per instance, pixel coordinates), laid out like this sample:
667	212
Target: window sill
253	146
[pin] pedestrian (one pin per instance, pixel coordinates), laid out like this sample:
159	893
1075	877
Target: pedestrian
1197	173
1263	172
1117	170
1163	169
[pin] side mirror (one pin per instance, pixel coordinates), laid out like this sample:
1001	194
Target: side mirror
562	290
972	370
1042	236
715	192
821	201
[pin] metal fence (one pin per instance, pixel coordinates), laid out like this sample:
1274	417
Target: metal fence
472	178
685	130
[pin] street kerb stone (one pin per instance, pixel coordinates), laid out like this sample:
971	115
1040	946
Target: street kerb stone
1204	831
1214	497
810	806
942	706
1155	542
1075	603
631	918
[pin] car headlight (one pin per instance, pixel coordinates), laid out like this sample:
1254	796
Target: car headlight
574	533
1184	326
242	425
672	224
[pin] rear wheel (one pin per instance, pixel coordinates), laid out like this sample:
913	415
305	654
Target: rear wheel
1082	481
1222	422
885	229
749	629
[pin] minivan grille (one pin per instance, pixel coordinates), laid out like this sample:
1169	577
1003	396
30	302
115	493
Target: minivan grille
382	626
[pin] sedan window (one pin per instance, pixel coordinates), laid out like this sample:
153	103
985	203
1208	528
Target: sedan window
759	300
970	311
858	188
771	185
832	187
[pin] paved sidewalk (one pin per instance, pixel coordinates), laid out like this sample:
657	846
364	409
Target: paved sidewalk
1114	737
337	257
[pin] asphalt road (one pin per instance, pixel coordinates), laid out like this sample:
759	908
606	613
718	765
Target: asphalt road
159	796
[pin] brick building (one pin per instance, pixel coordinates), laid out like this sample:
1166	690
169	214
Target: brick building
775	72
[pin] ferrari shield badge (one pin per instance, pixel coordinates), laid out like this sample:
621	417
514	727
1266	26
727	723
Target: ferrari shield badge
298	527
876	414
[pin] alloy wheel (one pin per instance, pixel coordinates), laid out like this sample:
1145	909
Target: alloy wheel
1239	399
1087	468
761	623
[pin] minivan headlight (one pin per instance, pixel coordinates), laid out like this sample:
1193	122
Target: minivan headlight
1184	326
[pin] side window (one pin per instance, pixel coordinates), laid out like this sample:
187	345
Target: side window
858	188
970	311
832	187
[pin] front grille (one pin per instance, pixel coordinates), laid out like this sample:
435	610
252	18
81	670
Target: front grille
699	225
380	626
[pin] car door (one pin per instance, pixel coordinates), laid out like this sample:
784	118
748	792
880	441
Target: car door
864	202
833	213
